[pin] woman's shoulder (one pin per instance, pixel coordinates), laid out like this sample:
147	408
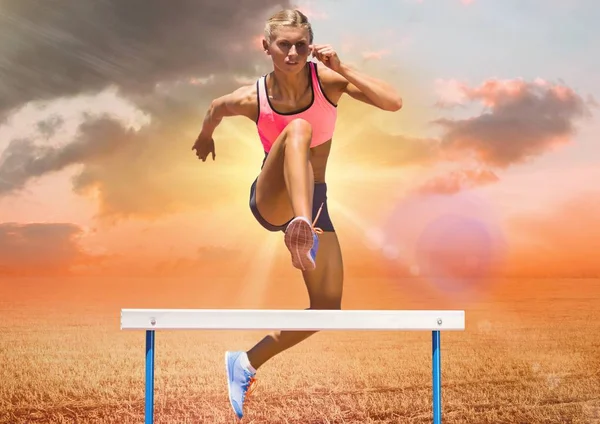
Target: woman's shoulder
248	93
246	100
332	83
328	76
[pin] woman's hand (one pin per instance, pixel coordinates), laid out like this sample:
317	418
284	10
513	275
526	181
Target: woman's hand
203	146
326	54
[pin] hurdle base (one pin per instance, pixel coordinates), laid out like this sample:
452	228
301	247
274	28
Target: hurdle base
436	369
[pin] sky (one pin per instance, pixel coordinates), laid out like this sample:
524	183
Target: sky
488	168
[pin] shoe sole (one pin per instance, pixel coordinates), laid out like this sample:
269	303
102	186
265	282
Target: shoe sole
228	373
299	241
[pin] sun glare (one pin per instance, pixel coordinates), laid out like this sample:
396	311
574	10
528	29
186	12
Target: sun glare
255	284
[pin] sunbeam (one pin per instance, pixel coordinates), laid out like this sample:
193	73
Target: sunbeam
254	285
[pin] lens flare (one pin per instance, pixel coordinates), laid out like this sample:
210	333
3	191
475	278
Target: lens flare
452	242
453	249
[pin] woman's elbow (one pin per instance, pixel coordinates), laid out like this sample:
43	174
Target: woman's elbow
394	105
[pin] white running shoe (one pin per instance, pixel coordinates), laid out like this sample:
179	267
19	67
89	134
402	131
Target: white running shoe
240	381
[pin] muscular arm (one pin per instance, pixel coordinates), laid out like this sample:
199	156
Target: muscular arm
241	102
364	88
370	90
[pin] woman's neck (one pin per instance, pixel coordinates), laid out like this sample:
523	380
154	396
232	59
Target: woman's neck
290	87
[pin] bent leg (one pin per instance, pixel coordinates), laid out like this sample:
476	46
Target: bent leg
284	188
324	284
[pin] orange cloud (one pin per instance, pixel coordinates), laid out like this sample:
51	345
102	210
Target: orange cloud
41	249
456	181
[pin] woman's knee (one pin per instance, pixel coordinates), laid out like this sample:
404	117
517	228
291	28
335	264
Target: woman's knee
299	129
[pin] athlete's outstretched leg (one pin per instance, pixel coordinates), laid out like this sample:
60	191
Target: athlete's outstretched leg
324	286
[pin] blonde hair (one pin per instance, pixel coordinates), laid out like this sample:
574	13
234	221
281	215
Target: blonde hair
287	17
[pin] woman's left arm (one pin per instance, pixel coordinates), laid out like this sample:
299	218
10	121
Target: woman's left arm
370	90
356	84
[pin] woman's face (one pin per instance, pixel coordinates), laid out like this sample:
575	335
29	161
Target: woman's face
289	48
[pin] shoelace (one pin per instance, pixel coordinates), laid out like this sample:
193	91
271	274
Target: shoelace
317	229
250	385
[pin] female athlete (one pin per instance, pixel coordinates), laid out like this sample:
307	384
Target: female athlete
295	110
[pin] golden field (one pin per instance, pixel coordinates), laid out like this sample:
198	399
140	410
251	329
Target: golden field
530	354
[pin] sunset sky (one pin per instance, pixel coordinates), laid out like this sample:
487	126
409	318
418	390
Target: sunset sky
493	161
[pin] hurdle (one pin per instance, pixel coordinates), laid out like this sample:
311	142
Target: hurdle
151	320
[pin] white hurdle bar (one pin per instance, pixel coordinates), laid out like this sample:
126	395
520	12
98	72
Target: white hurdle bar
151	320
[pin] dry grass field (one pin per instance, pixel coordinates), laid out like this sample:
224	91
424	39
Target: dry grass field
528	356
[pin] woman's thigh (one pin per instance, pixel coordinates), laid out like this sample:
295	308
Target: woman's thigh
272	198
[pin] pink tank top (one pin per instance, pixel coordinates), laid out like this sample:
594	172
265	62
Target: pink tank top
320	113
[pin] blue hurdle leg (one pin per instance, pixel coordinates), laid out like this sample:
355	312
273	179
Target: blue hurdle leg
149	377
437	378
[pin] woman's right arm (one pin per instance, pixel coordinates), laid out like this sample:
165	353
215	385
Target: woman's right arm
241	102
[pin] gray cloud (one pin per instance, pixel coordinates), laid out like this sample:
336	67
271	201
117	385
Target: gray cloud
521	120
147	175
68	47
83	47
143	173
23	160
524	120
39	249
154	52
